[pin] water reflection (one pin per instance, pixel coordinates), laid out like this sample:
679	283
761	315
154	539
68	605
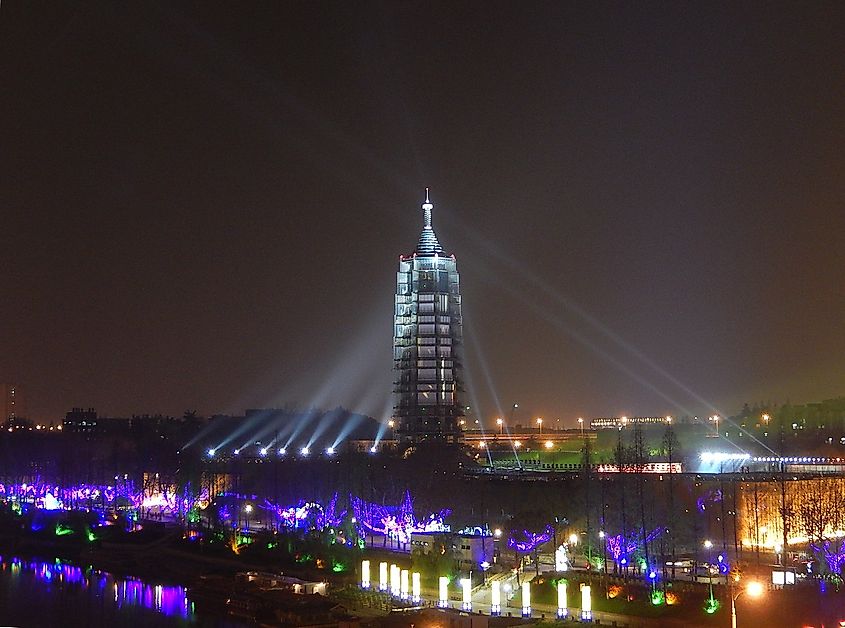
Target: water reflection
35	591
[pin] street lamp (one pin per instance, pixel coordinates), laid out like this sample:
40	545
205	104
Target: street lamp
501	425
539	425
581	425
753	589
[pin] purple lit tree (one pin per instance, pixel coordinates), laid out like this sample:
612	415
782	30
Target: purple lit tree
395	522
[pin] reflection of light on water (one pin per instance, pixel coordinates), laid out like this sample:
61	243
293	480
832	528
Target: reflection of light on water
167	600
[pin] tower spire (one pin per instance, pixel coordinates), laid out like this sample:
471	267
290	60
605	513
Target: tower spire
427	207
428	244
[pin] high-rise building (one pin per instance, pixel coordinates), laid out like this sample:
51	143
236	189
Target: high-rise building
427	341
13	406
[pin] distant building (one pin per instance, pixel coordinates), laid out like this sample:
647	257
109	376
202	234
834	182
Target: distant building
13	403
470	550
427	341
79	421
615	422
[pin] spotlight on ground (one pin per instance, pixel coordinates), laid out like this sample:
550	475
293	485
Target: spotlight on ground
263	451
305	451
373	449
330	451
211	452
237	451
282	451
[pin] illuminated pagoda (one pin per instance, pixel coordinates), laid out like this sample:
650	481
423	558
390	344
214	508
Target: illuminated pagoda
427	341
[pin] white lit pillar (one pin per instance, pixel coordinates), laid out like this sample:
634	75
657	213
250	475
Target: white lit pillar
586	603
562	602
495	598
394	580
561	559
443	600
526	598
382	576
466	586
365	574
403	584
415	587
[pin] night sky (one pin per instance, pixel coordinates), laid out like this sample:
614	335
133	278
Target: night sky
203	208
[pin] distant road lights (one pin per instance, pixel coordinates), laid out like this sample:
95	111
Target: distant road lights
391	424
497	532
548	444
624	421
517	444
708	544
248	509
601	534
573	539
330	451
668	420
482	444
766	418
305	451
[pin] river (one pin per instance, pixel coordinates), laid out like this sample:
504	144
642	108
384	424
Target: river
41	593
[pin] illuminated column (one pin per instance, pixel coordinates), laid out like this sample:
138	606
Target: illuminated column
466	585
443	600
415	587
394	580
365	574
495	598
561	560
586	603
382	576
526	599
562	602
403	584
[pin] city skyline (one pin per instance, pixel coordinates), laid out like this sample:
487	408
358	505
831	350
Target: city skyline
645	203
